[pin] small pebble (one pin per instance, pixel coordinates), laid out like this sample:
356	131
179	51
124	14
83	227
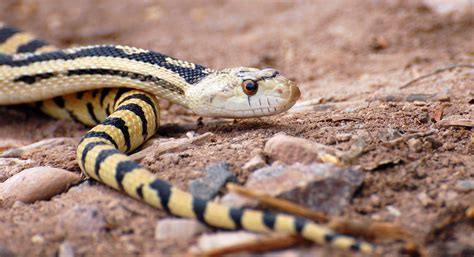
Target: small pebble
256	162
424	199
236	146
465	185
38	239
394	211
415	145
191	134
65	250
330	140
175	229
375	200
39	183
343	137
290	149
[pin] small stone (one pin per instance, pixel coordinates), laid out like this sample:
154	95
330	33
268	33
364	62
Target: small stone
375	200
236	146
256	162
424	117
290	149
92	221
424	199
379	43
38	239
215	177
65	250
191	134
419	97
178	229
210	242
5	252
343	137
320	187
394	211
39	183
419	103
415	145
330	140
465	185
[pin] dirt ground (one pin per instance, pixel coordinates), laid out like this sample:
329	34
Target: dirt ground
350	56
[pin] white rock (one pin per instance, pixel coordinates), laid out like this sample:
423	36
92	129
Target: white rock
39	183
37	239
209	242
174	229
394	211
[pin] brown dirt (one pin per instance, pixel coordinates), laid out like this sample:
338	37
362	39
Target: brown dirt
333	49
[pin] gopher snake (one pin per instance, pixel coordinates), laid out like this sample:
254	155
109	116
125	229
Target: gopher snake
114	89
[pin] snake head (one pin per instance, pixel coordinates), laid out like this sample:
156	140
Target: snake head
242	93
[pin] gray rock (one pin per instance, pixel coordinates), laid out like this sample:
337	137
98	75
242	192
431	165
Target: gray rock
5	252
419	97
82	220
320	187
174	229
215	177
65	250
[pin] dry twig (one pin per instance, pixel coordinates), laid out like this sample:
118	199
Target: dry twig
278	203
448	68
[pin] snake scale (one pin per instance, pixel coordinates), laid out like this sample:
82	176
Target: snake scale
114	89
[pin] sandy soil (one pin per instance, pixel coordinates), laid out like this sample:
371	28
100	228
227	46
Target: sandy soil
352	56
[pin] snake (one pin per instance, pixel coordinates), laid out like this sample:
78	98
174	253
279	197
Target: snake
116	89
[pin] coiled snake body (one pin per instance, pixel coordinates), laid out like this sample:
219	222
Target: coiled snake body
115	89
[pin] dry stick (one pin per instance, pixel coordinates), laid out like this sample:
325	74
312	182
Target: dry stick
278	203
450	67
375	230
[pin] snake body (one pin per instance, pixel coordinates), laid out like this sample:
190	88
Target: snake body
115	90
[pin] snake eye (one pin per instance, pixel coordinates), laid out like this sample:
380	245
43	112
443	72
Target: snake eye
250	87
